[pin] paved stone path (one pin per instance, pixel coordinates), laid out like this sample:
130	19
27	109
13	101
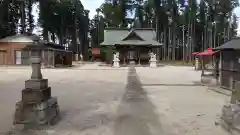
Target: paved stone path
135	114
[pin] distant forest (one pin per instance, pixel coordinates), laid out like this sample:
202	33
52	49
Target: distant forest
182	26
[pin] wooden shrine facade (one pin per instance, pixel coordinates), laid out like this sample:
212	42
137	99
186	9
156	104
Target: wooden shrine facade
132	44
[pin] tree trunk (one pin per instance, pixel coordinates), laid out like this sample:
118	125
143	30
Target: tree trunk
165	43
45	34
174	42
61	36
30	17
74	44
23	17
183	43
169	43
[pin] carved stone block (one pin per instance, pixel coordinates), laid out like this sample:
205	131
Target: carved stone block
36	84
30	96
47	111
36	114
230	118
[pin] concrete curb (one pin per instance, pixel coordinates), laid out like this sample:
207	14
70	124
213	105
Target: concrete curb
220	90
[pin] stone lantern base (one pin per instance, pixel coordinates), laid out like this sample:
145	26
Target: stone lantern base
153	64
230	118
37	107
116	64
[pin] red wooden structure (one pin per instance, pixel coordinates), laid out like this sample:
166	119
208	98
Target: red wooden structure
208	52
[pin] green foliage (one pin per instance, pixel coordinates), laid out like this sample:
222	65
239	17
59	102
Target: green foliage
9	16
63	19
209	23
115	12
234	25
197	25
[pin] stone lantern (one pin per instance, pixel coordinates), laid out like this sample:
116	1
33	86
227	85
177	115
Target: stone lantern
37	107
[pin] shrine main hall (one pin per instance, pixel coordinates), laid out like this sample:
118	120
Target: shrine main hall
132	44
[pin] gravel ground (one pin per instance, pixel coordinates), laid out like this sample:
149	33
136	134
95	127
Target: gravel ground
106	101
184	107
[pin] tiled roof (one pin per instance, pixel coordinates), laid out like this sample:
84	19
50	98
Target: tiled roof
112	36
28	40
119	37
20	39
233	44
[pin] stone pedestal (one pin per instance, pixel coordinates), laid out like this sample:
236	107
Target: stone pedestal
116	60
153	60
153	63
37	107
116	64
197	64
230	119
33	115
76	57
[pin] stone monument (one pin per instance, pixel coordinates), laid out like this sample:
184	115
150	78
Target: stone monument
153	60
37	107
230	118
197	63
76	57
116	60
81	57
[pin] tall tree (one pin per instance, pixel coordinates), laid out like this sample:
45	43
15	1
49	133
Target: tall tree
115	12
234	26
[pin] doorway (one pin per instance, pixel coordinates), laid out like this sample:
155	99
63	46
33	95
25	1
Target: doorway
18	57
132	55
3	57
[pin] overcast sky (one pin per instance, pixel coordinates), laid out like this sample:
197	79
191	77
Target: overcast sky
92	5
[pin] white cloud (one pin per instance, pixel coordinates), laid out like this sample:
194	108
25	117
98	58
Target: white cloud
92	5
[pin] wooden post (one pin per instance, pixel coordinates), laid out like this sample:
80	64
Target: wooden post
220	68
48	53
124	56
43	57
231	76
53	53
202	65
139	57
